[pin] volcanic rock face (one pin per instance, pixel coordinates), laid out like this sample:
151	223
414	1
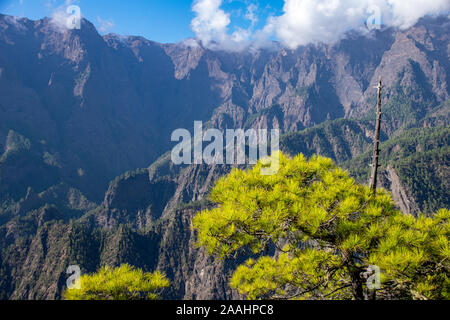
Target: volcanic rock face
108	104
78	109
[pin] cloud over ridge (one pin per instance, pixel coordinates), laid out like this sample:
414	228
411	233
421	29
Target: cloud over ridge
307	21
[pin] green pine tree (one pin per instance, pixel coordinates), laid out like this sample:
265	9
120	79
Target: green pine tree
328	231
123	283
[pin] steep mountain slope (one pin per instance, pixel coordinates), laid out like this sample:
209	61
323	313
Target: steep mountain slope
99	106
415	167
152	229
340	140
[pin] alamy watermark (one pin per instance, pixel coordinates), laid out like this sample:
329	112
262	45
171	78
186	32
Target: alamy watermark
74	282
374	21
373	275
234	143
74	19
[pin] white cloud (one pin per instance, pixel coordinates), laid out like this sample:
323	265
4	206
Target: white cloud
211	26
306	21
16	22
61	18
251	14
406	13
105	25
191	43
311	21
211	22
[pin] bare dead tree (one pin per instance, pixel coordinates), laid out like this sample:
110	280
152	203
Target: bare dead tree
376	152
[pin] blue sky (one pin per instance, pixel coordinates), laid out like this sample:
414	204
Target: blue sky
158	20
237	24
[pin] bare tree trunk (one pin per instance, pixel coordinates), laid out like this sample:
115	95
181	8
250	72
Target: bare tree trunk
376	153
357	285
